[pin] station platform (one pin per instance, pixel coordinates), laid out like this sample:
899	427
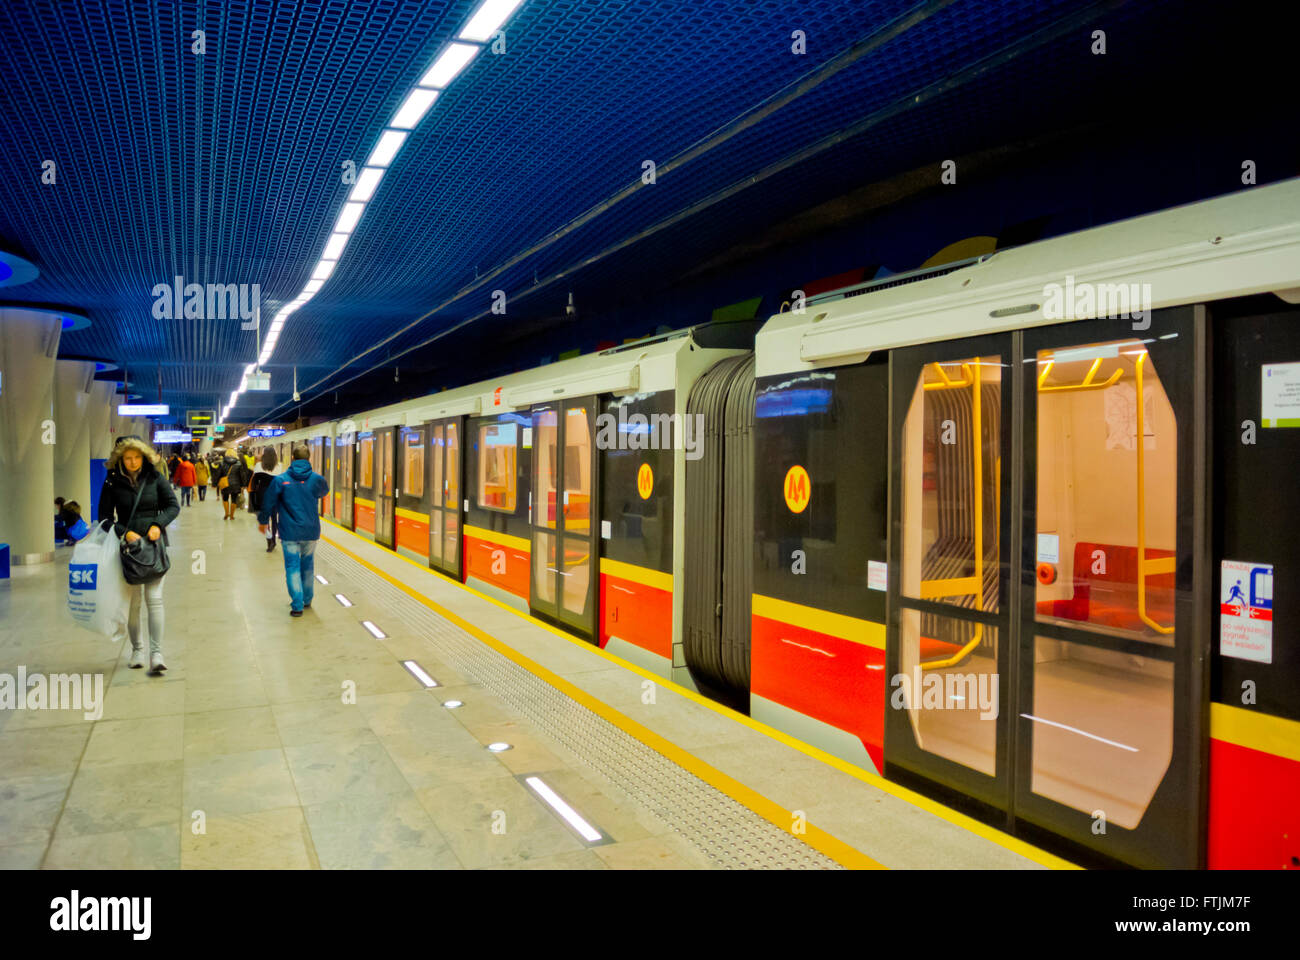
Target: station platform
246	755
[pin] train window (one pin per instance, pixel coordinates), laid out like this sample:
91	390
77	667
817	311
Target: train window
951	484
953	700
545	468
413	460
1105	556
452	479
1107	495
497	446
366	452
435	445
577	475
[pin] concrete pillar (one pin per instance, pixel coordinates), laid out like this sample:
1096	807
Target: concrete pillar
100	437
205	446
73	380
100	414
29	342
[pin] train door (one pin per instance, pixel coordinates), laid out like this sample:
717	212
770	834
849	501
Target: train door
562	513
345	479
444	496
327	471
1045	639
384	490
411	524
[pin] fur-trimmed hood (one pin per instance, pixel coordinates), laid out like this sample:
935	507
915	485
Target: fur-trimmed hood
150	455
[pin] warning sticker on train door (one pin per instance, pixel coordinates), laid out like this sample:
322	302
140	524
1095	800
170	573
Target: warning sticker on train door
1246	611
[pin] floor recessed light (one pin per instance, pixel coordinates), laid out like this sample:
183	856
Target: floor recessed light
453	704
374	631
498	747
322	579
571	817
342	599
419	673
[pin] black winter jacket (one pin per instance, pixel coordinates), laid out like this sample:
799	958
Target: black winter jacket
158	504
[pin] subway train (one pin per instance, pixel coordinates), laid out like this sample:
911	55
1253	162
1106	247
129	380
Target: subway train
1016	531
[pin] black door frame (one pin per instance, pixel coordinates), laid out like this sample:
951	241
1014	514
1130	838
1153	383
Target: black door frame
1172	832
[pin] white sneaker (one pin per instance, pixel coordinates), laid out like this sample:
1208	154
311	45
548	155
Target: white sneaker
156	665
137	659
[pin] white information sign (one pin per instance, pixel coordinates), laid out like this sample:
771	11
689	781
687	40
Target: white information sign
1246	611
1280	394
1049	548
877	575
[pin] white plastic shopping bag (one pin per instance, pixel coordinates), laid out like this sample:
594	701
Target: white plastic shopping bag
97	593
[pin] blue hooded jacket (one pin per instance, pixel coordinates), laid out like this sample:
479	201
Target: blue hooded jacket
295	496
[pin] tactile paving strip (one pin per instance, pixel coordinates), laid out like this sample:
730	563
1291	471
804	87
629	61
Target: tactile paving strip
729	834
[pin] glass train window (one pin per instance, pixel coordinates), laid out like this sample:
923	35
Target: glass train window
497	446
545	467
1107	497
366	449
1107	503
413	460
577	473
452	479
951	480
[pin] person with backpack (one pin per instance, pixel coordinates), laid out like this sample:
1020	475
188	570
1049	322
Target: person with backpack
295	497
140	502
263	474
231	481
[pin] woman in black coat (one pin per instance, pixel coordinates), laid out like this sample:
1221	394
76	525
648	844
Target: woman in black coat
135	470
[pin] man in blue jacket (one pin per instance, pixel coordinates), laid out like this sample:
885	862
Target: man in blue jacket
294	496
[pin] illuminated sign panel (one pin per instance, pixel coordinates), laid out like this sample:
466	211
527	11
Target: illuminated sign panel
143	409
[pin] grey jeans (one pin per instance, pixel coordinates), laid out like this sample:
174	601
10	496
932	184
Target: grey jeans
153	599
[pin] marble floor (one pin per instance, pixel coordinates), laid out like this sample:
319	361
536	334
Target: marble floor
275	742
244	754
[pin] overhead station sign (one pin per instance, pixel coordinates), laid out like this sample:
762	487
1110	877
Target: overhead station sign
200	418
199	432
172	436
267	432
143	410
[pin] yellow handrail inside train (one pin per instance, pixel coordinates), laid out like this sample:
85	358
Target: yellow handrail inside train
972	380
1087	383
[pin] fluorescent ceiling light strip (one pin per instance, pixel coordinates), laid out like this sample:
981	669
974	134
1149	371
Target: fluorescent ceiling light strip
314	285
334	246
488	18
586	830
348	217
389	143
408	115
374	631
419	673
366	184
323	270
444	70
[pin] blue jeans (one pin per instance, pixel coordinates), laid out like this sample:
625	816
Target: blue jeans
299	570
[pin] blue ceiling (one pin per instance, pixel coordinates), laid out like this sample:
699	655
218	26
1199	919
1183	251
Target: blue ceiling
225	167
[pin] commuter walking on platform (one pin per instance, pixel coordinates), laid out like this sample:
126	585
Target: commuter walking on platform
295	497
138	498
185	480
264	473
201	476
231	482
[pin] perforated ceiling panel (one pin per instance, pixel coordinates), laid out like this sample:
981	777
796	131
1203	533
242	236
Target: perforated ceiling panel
224	167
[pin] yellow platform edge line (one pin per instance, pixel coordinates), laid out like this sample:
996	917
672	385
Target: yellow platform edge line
1255	731
769	810
839	625
971	825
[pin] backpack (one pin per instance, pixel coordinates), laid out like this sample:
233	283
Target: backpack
257	487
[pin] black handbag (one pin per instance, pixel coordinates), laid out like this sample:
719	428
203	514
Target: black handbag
143	560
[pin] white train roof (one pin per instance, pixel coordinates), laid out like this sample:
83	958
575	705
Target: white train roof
642	367
1243	243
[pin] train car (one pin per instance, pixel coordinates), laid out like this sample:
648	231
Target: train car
1024	534
551	490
